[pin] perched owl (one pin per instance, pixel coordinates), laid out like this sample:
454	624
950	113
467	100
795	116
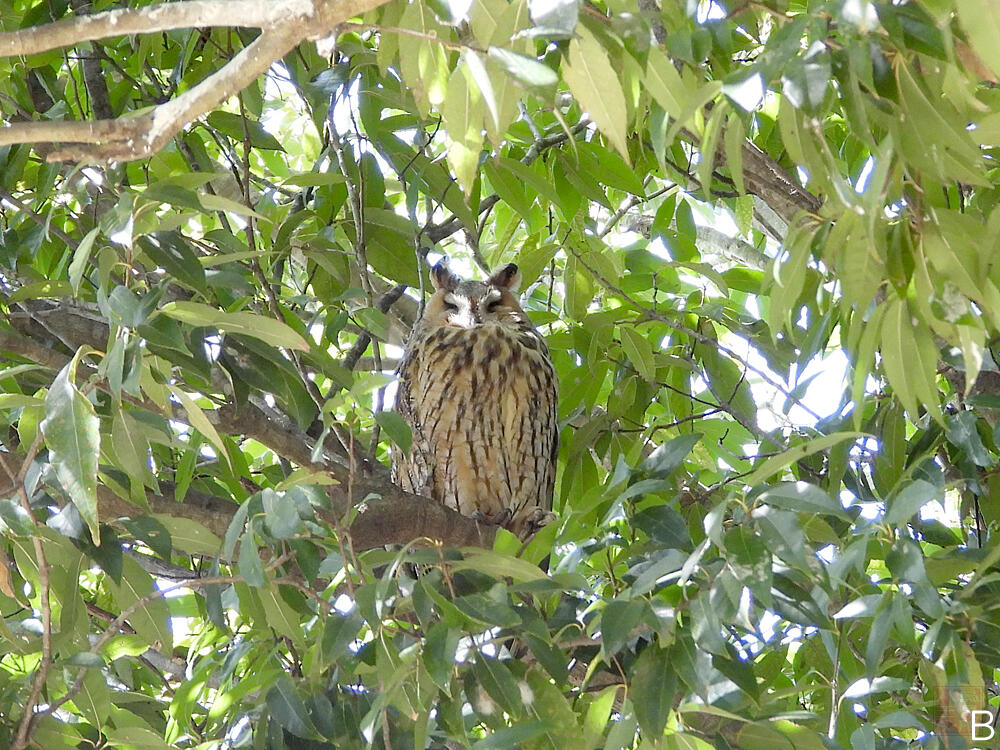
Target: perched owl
478	391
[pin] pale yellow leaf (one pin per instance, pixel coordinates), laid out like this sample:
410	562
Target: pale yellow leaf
462	113
595	85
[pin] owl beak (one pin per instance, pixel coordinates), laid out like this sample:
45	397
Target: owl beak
475	316
466	319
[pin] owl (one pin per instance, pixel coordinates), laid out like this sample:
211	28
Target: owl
478	390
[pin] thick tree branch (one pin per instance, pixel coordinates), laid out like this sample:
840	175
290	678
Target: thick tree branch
385	514
285	24
68	32
398	517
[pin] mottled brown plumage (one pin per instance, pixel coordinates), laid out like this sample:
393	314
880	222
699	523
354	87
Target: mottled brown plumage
478	391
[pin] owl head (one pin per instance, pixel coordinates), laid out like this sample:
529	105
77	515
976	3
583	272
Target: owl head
467	304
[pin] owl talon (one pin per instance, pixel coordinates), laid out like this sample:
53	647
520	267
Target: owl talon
537	519
497	519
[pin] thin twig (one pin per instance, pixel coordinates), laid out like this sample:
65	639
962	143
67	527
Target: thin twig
26	726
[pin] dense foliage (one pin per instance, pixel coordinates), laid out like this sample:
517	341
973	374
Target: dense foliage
760	239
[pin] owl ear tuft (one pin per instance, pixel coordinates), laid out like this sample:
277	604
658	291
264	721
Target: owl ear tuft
442	277
508	277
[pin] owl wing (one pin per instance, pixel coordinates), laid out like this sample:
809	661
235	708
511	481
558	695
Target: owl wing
411	470
551	425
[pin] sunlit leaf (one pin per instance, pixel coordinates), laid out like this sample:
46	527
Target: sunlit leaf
268	330
71	430
526	70
594	84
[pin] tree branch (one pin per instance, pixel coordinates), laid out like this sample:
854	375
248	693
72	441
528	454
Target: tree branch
68	32
385	514
285	23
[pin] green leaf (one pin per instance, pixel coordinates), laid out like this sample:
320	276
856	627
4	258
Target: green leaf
910	500
558	18
130	445
52	734
669	563
71	430
221	203
775	464
498	565
19	401
16	518
171	251
610	169
315	179
531	179
709	142
481	77
239	128
508	188
906	561
664	83
374	321
804	81
803	497
617	621
639	352
135	738
151	620
861	688
512	736
172	194
482	609
149	530
863	606
664	525
526	70
579	289
198	420
595	85
80	257
268	330
250	566
909	359
653	686
668	456
735	139
978	19
94	699
961	431
280	514
190	536
339	631
498	682
90	660
878	636
440	647
684	741
287	707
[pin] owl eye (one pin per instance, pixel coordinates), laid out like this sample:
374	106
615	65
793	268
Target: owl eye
450	306
493	305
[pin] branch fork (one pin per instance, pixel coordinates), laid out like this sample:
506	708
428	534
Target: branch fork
283	24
